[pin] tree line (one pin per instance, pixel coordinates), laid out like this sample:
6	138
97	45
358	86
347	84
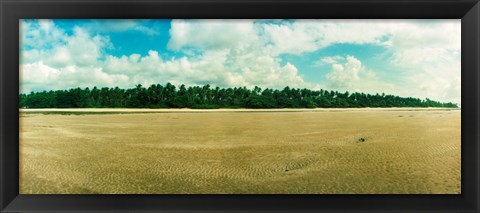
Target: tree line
206	97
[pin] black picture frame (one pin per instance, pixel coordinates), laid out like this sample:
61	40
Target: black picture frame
13	10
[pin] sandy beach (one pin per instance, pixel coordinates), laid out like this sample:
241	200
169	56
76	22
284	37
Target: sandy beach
268	151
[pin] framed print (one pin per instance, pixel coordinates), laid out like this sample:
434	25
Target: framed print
239	106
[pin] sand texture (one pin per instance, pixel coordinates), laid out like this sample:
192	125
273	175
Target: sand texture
370	151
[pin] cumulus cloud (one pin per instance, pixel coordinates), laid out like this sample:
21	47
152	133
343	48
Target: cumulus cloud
152	69
241	53
249	53
430	60
38	73
290	39
40	34
39	76
209	68
266	71
345	75
416	47
80	49
53	59
303	36
424	62
349	74
43	41
440	80
211	34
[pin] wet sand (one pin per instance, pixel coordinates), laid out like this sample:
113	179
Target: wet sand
300	151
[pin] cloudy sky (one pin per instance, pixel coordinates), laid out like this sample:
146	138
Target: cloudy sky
415	58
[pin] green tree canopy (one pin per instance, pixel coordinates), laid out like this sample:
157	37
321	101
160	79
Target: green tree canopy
159	96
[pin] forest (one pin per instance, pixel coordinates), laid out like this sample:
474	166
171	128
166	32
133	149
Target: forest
207	97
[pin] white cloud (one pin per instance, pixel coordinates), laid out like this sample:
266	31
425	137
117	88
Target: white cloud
80	49
232	53
439	80
152	69
425	56
73	76
345	75
349	74
426	33
114	25
310	35
247	53
48	43
38	73
56	60
417	47
41	34
209	68
429	55
340	31
290	39
39	76
266	71
211	34
328	60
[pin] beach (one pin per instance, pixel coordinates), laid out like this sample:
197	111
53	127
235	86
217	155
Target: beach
240	151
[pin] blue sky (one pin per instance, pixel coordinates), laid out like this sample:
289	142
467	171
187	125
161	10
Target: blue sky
418	58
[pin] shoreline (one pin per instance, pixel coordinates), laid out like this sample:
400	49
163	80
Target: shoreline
148	110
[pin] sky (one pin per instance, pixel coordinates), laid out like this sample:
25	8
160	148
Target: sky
408	58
